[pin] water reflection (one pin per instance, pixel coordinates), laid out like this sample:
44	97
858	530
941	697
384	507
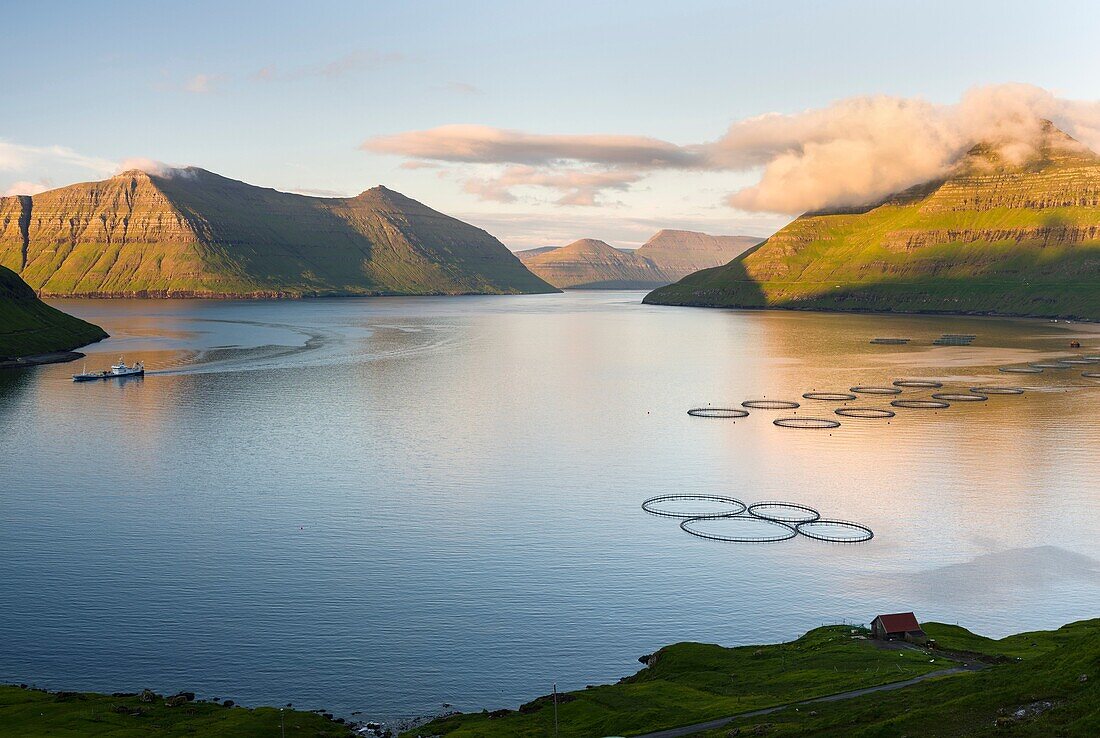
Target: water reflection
436	500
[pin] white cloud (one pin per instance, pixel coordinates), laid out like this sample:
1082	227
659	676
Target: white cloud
202	83
22	187
20	158
853	151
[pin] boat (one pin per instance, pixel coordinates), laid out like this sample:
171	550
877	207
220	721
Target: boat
117	370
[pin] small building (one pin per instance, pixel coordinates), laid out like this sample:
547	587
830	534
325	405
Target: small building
898	626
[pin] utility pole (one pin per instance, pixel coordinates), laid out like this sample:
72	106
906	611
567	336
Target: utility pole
555	710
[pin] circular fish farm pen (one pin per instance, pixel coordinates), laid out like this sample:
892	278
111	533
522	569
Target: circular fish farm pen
703	506
864	390
739	529
869	413
834	531
829	396
1082	361
998	390
807	423
921	404
1020	369
959	397
1050	365
770	404
918	383
718	412
784	512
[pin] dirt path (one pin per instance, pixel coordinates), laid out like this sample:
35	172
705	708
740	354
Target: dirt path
720	722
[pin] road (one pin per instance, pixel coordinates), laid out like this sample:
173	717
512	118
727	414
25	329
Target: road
721	722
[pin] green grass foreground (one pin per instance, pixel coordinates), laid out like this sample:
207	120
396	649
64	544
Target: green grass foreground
30	713
1036	689
29	326
693	682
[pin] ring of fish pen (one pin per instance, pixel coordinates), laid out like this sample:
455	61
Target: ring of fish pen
647	505
807	423
1020	369
717	412
864	533
770	404
1082	361
808	514
869	413
959	396
1094	357
998	390
864	390
787	531
921	404
918	383
829	396
1091	375
1050	365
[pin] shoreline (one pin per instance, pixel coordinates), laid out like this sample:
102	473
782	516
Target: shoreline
53	357
182	713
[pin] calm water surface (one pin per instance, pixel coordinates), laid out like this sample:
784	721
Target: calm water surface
386	505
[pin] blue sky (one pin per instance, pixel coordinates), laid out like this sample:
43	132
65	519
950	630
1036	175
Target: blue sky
285	94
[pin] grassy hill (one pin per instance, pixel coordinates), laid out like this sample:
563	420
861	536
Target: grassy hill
31	713
29	326
193	233
1038	673
1036	691
692	682
993	237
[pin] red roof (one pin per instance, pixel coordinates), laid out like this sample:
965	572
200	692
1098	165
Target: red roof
899	622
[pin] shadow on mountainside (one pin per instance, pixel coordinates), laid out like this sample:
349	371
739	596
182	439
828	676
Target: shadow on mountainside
724	286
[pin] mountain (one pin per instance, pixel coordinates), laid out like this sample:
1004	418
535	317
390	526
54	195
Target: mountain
29	326
991	237
664	258
193	233
591	264
679	253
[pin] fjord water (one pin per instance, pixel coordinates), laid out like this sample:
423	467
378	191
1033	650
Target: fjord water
384	505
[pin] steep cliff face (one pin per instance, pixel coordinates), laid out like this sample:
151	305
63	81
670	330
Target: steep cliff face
195	233
993	237
29	326
592	264
679	253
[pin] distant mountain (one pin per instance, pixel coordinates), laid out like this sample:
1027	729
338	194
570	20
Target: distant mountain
528	253
679	253
992	237
666	257
29	326
592	264
193	233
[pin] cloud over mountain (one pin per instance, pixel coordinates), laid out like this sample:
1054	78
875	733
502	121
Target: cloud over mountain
852	151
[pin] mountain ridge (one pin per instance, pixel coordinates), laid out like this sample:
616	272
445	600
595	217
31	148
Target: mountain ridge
667	256
194	233
993	236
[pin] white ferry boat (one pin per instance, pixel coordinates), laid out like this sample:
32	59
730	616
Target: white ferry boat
117	370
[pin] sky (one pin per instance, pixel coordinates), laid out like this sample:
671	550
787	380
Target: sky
540	122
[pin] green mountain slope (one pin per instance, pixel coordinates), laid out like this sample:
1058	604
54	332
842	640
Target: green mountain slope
29	326
193	233
990	238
